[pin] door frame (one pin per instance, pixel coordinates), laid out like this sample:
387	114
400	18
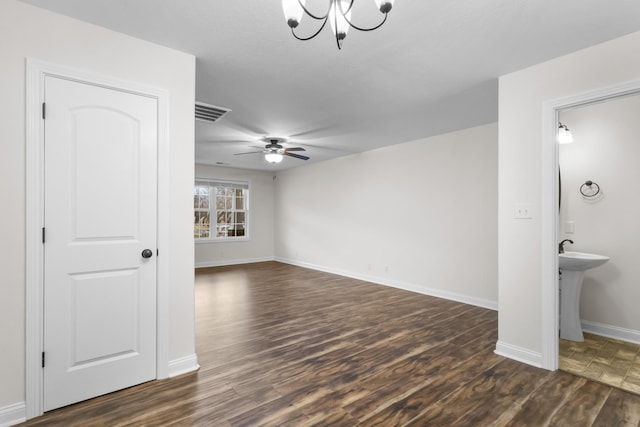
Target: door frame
36	71
549	207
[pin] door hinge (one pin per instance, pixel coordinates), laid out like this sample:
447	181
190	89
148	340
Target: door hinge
157	252
44	110
43	359
42	234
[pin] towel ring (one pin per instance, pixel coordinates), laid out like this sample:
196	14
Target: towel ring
587	189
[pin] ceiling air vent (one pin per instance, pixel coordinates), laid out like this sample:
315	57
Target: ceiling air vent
209	113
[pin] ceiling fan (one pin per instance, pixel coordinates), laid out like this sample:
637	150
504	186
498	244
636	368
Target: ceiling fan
274	152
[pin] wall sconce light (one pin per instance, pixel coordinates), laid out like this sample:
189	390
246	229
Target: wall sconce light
564	134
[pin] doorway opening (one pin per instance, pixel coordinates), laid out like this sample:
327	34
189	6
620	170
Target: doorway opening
598	212
554	224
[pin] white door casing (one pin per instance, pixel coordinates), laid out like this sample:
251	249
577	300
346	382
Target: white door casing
37	73
100	214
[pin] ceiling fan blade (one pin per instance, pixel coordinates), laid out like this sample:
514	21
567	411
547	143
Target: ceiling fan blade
297	156
244	130
320	130
250	152
222	141
294	149
324	147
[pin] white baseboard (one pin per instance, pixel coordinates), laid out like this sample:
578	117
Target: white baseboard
518	353
223	262
16	413
466	299
183	365
610	331
13	414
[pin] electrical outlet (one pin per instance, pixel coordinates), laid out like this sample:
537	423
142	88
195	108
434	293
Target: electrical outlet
522	211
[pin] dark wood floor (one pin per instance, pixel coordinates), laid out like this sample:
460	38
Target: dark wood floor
284	346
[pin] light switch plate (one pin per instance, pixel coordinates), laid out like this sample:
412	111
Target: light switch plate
569	227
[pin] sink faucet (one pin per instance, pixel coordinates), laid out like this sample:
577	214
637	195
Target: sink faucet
561	245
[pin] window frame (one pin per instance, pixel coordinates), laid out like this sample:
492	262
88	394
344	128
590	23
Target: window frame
213	211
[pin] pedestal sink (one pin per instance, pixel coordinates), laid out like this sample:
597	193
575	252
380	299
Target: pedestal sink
572	267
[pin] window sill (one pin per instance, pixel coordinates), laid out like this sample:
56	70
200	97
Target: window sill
222	240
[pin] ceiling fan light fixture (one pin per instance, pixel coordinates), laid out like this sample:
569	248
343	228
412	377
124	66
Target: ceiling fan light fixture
274	152
273	157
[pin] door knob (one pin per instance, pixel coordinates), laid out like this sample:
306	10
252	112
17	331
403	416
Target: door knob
147	253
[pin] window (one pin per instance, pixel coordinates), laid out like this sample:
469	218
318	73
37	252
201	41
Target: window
221	210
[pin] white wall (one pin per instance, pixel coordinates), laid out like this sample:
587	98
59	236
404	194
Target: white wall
419	215
520	164
261	210
27	31
606	150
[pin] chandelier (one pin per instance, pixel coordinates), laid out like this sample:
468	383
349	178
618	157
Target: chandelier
338	14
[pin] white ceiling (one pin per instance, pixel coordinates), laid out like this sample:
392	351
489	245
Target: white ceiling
432	68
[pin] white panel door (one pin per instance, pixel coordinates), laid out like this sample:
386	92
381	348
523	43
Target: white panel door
100	215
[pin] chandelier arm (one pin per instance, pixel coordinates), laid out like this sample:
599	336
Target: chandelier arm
314	34
335	18
344	12
367	29
311	15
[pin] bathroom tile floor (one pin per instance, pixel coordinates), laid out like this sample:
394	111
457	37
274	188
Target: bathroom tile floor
605	360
